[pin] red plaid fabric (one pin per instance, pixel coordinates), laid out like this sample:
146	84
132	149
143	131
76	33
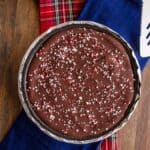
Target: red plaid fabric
110	143
53	12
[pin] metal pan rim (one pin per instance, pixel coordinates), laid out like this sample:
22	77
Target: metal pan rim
24	100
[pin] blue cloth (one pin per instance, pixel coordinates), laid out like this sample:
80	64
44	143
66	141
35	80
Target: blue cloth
123	16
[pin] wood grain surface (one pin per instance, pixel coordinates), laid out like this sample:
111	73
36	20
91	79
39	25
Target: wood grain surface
19	25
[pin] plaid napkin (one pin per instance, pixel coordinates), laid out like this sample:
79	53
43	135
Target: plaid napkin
54	12
123	16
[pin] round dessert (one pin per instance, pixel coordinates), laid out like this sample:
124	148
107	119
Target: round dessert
80	82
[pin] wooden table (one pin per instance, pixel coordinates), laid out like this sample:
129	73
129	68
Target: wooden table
19	25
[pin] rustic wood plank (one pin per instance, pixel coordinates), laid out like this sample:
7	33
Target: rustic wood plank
18	27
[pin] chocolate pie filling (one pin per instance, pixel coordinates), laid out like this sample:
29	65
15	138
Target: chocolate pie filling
80	82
